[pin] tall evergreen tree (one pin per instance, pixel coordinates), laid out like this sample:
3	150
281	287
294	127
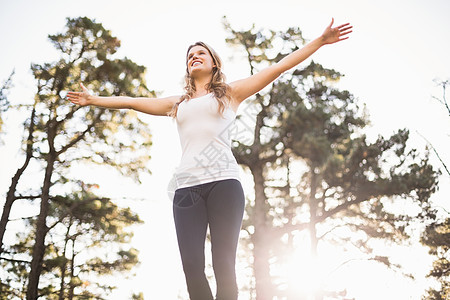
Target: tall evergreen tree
334	177
61	135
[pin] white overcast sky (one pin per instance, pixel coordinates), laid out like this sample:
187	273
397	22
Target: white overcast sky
390	61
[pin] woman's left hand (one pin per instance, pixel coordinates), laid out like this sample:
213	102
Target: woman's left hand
336	34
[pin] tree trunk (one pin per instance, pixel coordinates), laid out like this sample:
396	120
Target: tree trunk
313	213
72	273
64	263
261	255
41	232
41	225
312	227
10	196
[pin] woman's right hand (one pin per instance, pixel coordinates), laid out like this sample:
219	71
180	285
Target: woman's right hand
79	98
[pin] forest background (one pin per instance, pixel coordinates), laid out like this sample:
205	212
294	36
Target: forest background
394	63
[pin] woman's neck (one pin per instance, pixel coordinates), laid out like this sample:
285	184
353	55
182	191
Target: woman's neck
201	86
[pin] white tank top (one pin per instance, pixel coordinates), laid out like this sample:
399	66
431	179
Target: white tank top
205	137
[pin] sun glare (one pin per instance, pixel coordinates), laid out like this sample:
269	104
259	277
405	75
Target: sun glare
301	275
297	272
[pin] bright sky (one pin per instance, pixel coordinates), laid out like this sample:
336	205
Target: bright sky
396	51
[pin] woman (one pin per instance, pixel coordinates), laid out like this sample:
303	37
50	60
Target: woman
208	191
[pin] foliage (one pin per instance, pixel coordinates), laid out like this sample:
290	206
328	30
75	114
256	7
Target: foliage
437	238
437	234
139	296
315	171
84	243
62	136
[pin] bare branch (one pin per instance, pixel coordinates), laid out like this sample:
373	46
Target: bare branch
27	197
435	152
15	260
444	85
437	99
22	219
444	100
331	230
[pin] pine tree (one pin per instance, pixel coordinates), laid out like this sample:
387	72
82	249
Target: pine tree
314	169
61	134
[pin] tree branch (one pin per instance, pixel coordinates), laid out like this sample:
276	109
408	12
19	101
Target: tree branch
330	230
81	135
338	208
71	208
21	219
15	260
435	152
279	231
27	197
444	85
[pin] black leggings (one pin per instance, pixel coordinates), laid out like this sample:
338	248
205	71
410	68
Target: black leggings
221	205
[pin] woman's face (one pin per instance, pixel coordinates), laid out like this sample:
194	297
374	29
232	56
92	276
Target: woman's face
199	61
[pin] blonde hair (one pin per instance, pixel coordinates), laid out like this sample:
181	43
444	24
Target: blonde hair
217	84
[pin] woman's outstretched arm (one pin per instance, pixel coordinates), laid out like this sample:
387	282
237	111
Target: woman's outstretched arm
152	106
244	88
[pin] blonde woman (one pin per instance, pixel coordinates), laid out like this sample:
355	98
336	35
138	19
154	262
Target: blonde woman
209	192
